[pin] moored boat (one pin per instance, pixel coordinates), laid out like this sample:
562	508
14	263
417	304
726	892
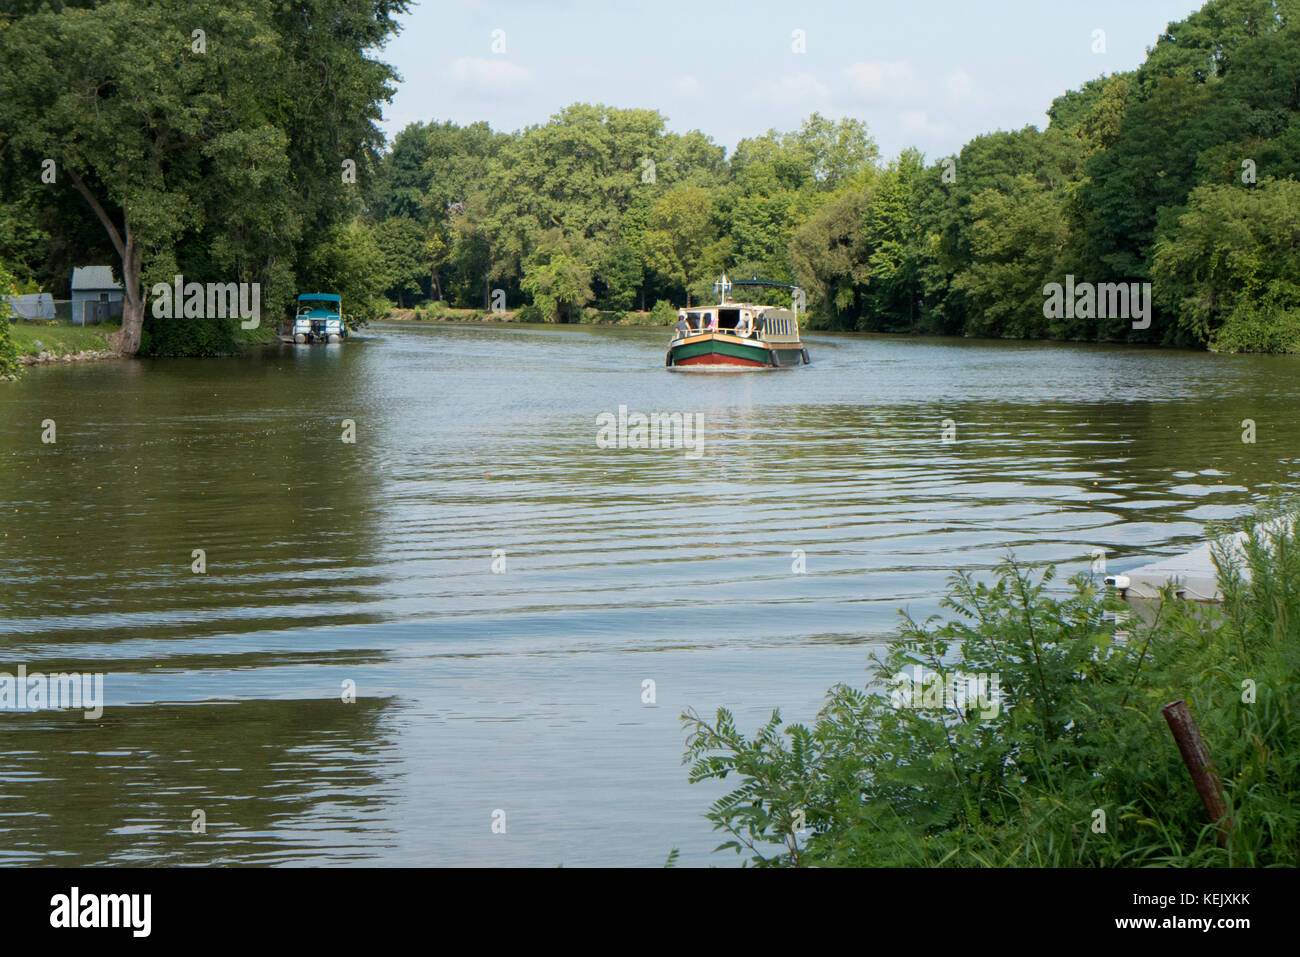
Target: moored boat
737	334
318	318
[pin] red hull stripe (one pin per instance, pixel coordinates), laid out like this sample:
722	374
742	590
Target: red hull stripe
717	359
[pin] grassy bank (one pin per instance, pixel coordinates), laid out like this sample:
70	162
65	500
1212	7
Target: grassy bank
1071	763
59	338
264	333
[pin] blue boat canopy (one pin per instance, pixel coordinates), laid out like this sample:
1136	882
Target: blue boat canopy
318	297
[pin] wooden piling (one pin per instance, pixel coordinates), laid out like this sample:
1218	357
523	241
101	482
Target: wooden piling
1199	765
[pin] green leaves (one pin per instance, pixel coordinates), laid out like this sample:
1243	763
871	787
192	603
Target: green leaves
881	780
224	162
1230	266
8	353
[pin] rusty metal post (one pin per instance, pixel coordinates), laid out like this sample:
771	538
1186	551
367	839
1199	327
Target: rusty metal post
1199	765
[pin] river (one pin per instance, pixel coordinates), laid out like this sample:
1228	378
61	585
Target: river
523	613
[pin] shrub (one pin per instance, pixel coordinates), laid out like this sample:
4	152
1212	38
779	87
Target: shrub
664	313
9	365
188	337
1077	766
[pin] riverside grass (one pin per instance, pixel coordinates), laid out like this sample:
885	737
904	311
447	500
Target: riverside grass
1078	767
60	338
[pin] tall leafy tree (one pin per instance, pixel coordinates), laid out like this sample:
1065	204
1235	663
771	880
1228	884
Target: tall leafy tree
1230	268
681	231
203	137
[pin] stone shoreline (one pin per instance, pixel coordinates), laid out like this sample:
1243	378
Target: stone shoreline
86	355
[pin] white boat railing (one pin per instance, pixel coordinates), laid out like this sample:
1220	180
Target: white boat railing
763	335
706	329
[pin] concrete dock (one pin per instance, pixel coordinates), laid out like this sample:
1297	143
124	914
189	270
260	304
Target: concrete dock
1192	573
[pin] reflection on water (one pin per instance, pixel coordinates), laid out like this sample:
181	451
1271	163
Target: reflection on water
278	781
521	689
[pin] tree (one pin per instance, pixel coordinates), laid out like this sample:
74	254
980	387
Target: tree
401	243
898	247
621	274
837	151
8	354
221	151
830	257
1230	268
558	276
681	228
1205	45
1017	241
349	261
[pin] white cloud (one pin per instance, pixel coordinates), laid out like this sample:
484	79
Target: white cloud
918	125
489	75
879	80
687	86
960	86
796	89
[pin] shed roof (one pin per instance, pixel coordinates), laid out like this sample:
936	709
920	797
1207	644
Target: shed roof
94	277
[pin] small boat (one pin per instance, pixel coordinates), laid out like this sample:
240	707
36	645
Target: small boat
737	334
318	318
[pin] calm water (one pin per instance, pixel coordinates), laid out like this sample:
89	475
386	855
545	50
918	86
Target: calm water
521	690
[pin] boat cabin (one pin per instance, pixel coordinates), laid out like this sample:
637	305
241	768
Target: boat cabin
740	319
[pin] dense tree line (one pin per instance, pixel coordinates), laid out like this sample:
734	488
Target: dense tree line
1180	173
207	138
225	165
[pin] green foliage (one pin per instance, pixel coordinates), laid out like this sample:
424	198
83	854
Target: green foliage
830	257
681	228
607	208
8	353
1017	241
348	261
1077	730
402	244
965	244
223	164
1208	44
558	277
189	337
1230	266
664	313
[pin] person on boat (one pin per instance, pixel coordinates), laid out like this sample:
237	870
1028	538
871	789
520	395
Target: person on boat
683	328
744	325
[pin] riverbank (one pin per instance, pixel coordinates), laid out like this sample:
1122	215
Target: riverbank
38	343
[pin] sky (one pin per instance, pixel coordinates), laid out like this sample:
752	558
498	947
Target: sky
932	75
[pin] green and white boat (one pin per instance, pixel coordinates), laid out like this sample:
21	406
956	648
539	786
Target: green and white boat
737	335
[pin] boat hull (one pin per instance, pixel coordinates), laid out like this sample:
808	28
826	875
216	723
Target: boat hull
735	352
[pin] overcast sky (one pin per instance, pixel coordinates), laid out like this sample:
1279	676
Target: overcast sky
926	74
